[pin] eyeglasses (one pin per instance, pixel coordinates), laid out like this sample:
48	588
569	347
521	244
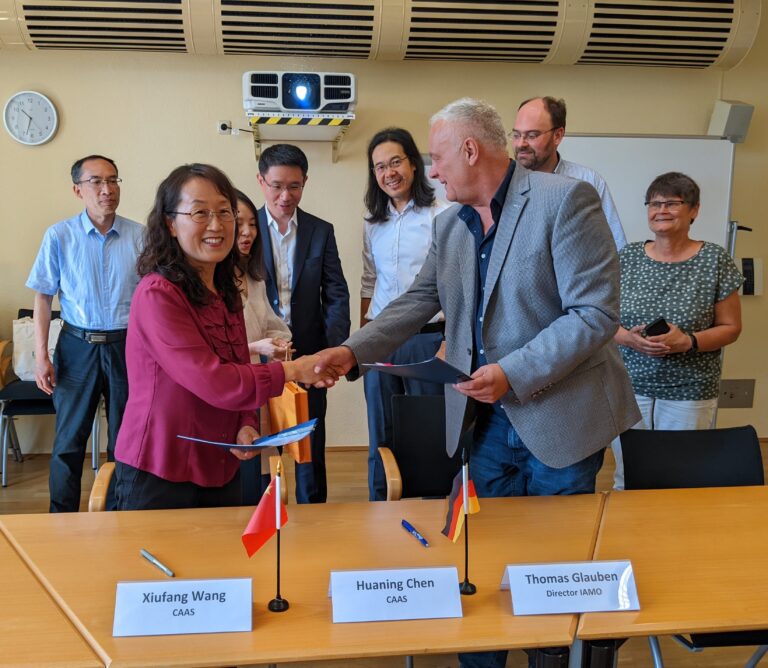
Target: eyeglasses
671	204
291	188
531	135
394	163
205	215
96	182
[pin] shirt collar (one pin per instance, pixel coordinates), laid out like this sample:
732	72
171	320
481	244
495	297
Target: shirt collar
394	212
292	223
497	203
89	227
467	213
559	162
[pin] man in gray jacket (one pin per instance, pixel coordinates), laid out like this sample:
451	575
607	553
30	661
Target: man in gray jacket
527	275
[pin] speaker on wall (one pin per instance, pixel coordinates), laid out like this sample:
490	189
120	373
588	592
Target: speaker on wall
730	119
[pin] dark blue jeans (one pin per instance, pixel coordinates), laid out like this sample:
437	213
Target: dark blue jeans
84	372
501	465
379	389
311	484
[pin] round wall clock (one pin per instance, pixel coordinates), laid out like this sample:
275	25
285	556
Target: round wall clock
30	118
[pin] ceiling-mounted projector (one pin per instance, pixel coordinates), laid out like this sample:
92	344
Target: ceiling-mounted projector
303	92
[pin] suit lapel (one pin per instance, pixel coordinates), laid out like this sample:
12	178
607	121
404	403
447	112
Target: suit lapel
510	216
465	243
304	229
266	244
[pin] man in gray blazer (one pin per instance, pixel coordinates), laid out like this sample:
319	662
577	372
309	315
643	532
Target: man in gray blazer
527	275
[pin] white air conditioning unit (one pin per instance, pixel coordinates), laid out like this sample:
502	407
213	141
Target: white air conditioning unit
324	93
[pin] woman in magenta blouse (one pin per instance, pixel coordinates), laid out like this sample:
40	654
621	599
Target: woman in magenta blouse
189	370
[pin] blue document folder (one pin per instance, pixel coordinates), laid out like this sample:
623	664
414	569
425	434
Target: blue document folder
290	435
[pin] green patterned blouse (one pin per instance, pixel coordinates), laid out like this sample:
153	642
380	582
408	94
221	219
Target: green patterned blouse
685	294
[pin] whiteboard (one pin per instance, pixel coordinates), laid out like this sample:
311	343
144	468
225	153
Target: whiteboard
629	164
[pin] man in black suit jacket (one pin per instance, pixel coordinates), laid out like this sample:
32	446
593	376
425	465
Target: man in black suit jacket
305	285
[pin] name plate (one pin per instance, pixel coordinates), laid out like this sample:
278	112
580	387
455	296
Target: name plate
582	586
158	608
386	595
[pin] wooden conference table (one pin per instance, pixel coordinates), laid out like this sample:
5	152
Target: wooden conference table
80	557
699	557
34	631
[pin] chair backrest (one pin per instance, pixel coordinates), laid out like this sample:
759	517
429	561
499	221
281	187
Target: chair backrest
418	444
97	500
657	459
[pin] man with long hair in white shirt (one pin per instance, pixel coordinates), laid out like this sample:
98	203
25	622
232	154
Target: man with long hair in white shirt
398	232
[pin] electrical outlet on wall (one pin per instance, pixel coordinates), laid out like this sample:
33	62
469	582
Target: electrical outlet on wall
737	393
224	127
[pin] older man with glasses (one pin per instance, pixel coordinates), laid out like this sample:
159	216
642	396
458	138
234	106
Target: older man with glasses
539	128
89	260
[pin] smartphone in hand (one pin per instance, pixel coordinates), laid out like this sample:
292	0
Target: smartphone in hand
658	326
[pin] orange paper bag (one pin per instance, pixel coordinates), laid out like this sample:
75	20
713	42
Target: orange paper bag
288	410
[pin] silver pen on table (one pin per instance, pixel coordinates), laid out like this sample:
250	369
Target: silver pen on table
155	562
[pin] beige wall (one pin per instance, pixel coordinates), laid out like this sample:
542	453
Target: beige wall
153	111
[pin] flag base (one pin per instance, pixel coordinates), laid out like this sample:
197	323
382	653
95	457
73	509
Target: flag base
278	605
467	588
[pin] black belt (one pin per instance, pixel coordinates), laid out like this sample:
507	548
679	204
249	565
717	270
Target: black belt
433	328
94	336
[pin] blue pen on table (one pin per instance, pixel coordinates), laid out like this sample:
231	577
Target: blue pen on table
411	530
156	562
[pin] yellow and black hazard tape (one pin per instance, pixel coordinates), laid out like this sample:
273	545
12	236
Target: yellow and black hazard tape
297	120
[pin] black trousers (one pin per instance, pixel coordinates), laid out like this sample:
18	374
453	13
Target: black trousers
84	372
140	490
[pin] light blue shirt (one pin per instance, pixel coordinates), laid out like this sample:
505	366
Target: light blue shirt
582	173
93	274
394	251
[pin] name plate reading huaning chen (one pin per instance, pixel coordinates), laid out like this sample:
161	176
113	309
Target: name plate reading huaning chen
390	594
582	586
159	608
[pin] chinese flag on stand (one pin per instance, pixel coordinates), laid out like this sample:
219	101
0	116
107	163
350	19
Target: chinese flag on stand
262	525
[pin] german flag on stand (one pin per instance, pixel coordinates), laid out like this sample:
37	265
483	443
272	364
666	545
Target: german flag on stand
454	520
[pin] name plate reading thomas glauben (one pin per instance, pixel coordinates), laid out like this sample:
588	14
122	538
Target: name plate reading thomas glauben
386	595
165	607
582	586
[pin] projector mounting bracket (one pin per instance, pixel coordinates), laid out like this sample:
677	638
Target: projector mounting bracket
299	126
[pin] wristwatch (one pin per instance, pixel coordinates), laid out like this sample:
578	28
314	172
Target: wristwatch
694	343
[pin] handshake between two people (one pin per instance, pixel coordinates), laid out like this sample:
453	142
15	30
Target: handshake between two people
487	384
321	369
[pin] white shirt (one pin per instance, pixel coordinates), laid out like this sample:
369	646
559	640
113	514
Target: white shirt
283	252
394	251
582	173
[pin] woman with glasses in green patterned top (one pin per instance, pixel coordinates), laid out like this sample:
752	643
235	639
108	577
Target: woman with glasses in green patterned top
693	285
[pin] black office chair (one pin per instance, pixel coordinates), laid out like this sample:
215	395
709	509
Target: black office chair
21	398
656	459
417	465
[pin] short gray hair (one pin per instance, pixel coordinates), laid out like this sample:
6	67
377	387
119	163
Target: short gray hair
482	119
